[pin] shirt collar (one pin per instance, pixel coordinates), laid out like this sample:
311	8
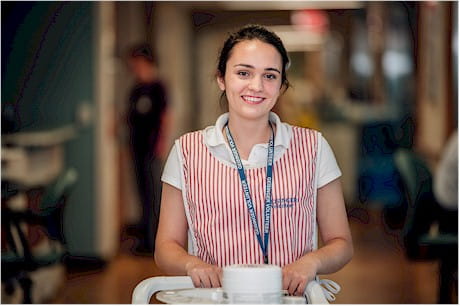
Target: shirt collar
215	137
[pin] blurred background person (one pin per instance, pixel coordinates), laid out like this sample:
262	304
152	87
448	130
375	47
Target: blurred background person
145	118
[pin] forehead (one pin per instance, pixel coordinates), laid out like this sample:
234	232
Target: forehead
256	53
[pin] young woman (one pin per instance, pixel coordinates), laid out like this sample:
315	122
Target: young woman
250	189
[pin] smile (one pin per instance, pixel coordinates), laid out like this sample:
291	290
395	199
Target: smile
252	99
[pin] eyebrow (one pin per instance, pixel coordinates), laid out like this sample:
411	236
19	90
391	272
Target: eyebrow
250	66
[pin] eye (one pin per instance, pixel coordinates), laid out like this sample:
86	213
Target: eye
243	73
271	76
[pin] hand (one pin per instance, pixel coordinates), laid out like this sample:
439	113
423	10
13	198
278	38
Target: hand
297	275
203	274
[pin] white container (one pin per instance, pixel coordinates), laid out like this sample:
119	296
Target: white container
252	284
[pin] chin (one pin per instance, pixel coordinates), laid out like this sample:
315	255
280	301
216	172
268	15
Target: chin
254	112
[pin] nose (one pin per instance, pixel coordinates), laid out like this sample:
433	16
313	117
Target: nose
256	84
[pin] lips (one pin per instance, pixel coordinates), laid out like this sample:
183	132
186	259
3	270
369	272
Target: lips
253	99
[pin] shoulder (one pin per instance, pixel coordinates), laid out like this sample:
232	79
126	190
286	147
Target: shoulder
156	88
190	140
305	132
136	91
158	85
191	136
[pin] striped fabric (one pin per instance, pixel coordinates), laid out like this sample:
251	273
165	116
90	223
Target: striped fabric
217	214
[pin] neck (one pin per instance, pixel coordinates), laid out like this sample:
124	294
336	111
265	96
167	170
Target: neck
248	133
148	76
147	79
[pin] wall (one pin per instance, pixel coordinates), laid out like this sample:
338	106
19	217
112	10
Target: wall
172	39
49	69
46	61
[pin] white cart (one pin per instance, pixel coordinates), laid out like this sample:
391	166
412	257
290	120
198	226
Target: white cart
180	290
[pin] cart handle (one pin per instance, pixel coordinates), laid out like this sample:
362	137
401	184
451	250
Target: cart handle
146	288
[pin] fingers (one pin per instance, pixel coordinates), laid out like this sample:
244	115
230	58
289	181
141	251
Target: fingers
294	282
205	279
196	280
220	276
214	279
206	276
292	287
200	278
286	281
301	288
296	287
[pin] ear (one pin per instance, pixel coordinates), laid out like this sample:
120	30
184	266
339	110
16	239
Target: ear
221	83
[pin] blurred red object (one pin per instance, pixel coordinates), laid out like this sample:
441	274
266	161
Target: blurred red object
311	20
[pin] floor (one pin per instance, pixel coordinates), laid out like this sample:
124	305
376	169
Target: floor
379	272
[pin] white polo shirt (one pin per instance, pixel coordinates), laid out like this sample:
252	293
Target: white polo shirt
215	141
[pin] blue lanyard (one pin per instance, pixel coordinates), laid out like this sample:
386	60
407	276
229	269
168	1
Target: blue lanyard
247	194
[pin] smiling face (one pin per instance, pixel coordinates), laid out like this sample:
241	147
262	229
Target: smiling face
252	80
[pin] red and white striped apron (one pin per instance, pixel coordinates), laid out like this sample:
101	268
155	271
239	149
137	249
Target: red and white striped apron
217	215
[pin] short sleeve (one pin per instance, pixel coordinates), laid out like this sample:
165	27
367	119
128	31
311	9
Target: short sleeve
328	168
171	173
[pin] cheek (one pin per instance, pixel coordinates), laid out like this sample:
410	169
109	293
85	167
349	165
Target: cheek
235	85
274	89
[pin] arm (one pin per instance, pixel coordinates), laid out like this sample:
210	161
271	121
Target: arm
335	233
170	250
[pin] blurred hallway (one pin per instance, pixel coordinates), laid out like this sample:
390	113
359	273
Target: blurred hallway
378	273
373	77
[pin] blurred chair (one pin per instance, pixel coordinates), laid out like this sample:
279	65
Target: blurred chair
20	259
422	240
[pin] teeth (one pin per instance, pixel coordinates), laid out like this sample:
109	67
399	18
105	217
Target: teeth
252	99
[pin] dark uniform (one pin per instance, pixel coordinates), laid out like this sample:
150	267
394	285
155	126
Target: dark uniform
147	104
